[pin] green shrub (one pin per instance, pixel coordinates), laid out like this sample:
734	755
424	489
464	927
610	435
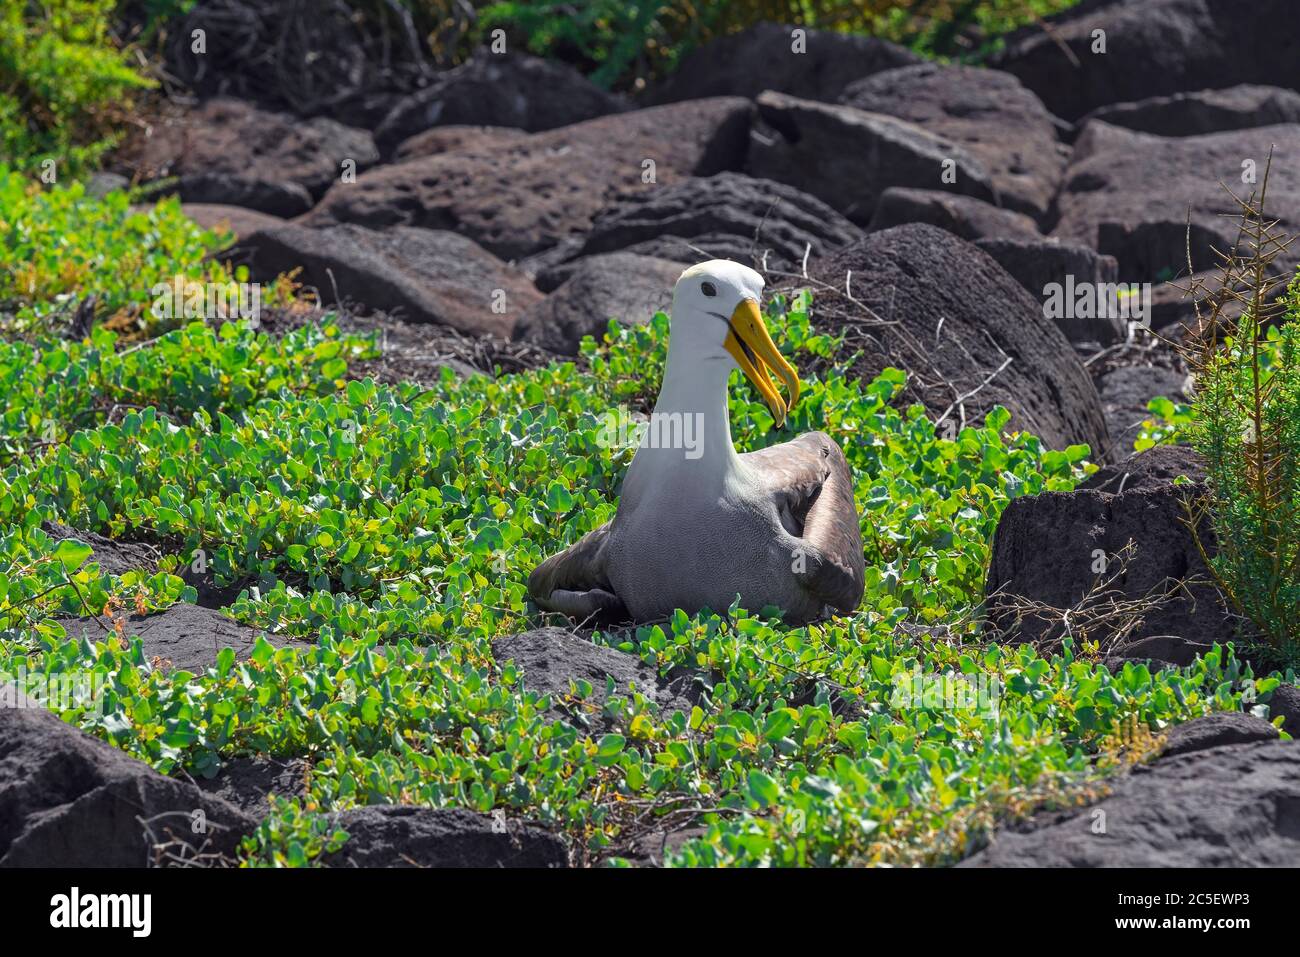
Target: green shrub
64	85
1247	425
626	44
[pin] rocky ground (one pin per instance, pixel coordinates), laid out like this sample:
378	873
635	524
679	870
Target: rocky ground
512	202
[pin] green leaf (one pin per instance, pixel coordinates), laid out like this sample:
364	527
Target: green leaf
763	789
73	553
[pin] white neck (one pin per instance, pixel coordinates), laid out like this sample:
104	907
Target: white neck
692	405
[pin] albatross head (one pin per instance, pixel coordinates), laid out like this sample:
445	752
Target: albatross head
716	318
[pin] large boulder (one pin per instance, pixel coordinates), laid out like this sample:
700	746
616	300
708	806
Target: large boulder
1047	268
499	90
932	304
763	216
765	57
430	275
1215	731
283	200
1204	111
1053	550
448	139
553	660
554	269
987	112
230	152
1153	48
1284	702
238	220
1232	806
405	836
847	157
1129	195
519	198
1155	469
622	286
70	800
184	637
962	216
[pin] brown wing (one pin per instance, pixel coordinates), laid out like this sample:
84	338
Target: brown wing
574	583
814	488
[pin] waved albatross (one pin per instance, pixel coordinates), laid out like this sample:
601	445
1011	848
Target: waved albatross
698	524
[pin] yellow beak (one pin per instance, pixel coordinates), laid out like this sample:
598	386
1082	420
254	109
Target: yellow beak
752	347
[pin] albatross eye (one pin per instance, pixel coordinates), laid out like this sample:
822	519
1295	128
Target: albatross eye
708	289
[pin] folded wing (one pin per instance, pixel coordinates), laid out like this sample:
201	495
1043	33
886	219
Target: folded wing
574	582
814	490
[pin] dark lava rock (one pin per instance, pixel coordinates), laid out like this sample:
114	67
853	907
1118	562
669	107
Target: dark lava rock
847	157
1216	730
248	783
918	276
1125	392
283	200
763	215
1040	263
1173	303
509	89
318	58
1129	194
1204	111
1047	547
650	849
234	219
762	57
186	637
961	215
1155	468
448	139
430	275
519	198
404	836
230	152
1236	806
1154	48
1285	701
70	800
675	249
552	658
624	286
995	119
114	558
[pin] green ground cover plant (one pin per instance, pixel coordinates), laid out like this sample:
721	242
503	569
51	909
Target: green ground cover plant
64	85
52	393
385	533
